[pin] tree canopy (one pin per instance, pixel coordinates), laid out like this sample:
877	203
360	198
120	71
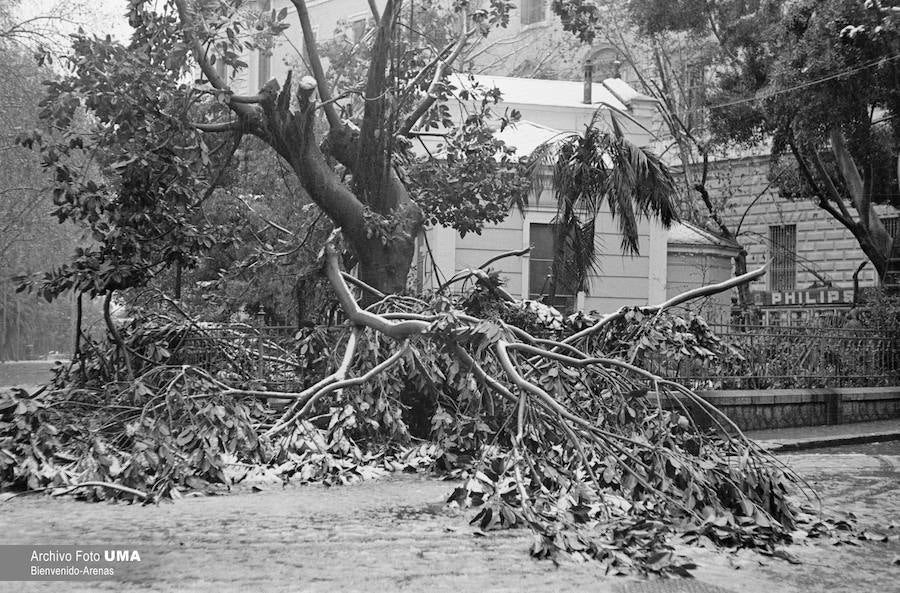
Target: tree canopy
817	81
161	126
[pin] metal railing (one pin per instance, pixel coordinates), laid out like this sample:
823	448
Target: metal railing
277	356
787	357
766	357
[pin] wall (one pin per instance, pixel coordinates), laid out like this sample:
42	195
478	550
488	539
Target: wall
783	408
824	246
692	267
621	280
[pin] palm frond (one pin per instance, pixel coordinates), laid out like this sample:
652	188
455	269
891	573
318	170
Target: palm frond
640	185
542	158
588	171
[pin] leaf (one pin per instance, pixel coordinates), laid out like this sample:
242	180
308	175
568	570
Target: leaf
785	555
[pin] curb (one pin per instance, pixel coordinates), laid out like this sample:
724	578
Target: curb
776	446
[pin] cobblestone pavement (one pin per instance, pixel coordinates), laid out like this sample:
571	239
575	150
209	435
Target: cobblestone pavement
395	535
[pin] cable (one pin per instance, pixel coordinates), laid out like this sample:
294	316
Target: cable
805	84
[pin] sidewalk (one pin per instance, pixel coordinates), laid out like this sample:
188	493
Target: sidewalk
808	437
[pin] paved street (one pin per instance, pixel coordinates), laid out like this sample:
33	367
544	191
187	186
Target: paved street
394	534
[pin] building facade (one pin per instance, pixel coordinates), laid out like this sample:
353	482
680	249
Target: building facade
549	107
817	267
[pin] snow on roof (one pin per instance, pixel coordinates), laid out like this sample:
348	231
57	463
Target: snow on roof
526	136
685	233
624	91
614	92
523	135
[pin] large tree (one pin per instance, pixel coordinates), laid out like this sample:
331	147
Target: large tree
819	81
162	142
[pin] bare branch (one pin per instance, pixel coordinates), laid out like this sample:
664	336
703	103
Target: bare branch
823	202
315	63
496	258
190	37
374	8
850	173
357	316
274	225
221	126
246	99
140	494
836	196
702	291
440	67
290	416
360	284
218	178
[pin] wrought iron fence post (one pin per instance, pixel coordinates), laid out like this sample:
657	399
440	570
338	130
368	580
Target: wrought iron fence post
260	323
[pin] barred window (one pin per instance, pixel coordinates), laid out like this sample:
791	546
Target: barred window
532	11
892	225
783	255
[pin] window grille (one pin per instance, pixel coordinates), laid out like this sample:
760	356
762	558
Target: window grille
783	255
892	225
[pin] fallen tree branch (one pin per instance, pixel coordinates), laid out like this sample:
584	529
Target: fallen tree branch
291	415
500	256
357	316
702	291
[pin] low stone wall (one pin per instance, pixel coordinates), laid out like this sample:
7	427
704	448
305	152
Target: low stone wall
783	408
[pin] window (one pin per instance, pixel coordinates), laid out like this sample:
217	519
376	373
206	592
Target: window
606	63
540	267
783	254
532	11
892	225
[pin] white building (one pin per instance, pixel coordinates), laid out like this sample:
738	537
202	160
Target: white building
549	107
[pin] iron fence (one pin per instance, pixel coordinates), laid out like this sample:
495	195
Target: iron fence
764	357
280	357
787	357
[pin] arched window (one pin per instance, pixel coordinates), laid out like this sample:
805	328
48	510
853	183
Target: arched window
606	63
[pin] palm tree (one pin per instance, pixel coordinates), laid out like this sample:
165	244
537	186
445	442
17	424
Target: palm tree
591	169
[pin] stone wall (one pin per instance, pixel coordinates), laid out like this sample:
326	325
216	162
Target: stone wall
783	408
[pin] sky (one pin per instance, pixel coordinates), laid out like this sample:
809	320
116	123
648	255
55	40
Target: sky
100	17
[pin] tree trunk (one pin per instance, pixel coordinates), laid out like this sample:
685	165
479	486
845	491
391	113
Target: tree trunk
386	267
748	315
385	255
869	231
